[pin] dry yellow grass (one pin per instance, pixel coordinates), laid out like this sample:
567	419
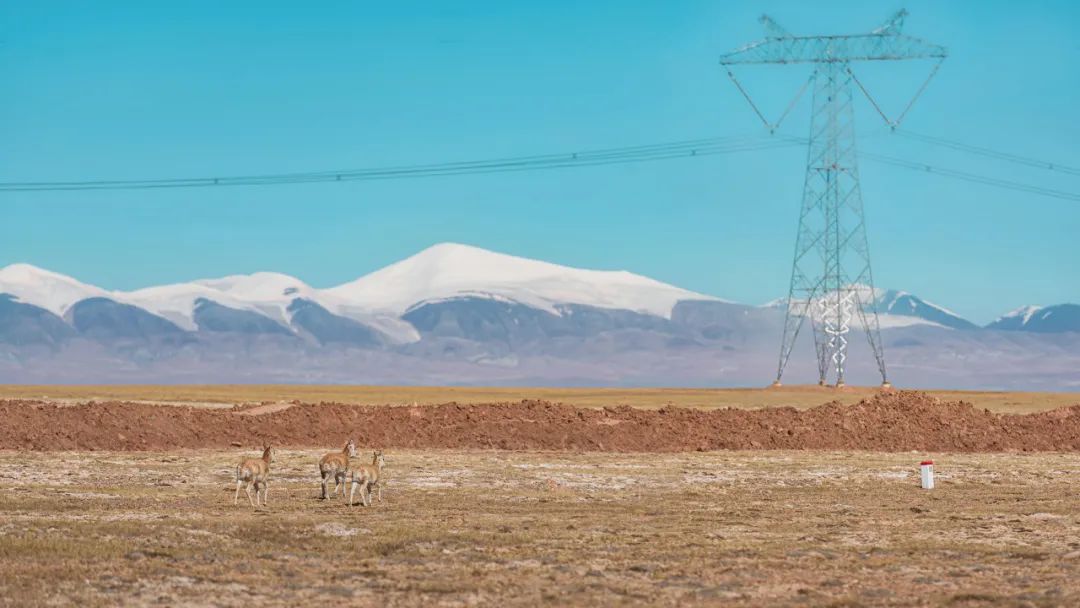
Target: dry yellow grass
796	396
521	529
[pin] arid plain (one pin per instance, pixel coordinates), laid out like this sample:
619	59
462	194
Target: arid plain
621	523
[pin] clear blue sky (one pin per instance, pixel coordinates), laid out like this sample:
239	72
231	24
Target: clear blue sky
154	89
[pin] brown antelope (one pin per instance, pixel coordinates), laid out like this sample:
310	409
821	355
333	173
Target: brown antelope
367	476
336	464
255	472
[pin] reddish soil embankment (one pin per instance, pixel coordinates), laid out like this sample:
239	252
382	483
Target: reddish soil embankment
888	422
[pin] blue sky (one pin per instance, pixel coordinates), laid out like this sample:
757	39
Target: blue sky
151	89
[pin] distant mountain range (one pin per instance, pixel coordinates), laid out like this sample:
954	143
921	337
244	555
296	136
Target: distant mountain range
459	314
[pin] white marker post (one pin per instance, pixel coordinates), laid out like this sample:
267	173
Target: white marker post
926	468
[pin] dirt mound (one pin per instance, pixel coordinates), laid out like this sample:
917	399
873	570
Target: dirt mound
888	422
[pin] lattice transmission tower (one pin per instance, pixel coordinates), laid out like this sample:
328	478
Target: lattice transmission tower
831	281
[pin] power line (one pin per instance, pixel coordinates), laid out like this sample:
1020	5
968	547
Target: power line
593	157
709	146
960	175
989	153
971	177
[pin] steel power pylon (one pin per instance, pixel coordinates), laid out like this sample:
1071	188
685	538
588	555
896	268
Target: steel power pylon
831	280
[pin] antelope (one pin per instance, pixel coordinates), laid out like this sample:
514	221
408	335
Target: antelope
365	477
255	472
336	464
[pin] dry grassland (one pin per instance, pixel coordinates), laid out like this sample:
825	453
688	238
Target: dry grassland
796	396
523	528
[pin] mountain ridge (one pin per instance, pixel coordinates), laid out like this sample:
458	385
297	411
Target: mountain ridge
448	271
456	314
443	286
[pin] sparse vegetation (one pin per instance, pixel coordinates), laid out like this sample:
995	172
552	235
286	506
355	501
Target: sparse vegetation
521	528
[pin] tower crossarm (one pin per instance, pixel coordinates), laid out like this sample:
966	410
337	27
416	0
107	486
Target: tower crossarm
884	46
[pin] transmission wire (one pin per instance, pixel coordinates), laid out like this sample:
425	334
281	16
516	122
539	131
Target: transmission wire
631	154
990	153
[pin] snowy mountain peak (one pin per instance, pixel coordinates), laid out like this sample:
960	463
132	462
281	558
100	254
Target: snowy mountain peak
904	304
1059	318
452	270
447	263
52	291
23	271
1023	314
28	274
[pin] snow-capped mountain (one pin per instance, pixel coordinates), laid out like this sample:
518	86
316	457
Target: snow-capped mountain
1042	319
377	301
903	304
455	272
456	313
451	270
52	291
1015	319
